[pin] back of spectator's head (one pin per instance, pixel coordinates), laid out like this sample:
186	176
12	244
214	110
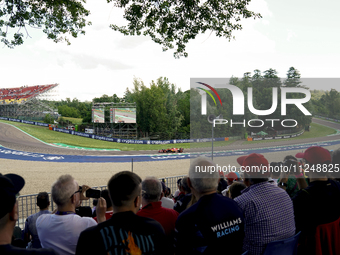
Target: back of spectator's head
43	201
124	187
10	185
152	189
231	177
63	189
235	189
275	169
164	188
290	157
185	185
179	182
105	194
203	175
241	159
256	167
316	155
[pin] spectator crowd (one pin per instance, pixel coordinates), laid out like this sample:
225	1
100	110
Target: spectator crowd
250	212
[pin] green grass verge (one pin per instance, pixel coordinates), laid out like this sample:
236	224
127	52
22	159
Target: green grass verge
316	130
48	136
75	121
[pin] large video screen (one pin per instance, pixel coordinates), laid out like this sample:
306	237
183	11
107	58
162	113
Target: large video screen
125	115
98	115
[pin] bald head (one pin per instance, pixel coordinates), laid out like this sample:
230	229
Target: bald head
152	189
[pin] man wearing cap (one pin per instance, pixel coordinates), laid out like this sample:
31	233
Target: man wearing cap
268	210
214	223
10	185
60	231
317	207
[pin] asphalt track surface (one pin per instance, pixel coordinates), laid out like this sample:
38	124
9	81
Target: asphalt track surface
18	145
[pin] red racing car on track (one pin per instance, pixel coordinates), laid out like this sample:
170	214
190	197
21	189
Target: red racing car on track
171	150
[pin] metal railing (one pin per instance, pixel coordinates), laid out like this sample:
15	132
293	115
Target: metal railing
27	204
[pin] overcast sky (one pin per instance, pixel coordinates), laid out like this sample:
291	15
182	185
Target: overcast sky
304	34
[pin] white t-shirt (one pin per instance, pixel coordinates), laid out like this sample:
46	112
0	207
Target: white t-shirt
61	232
167	203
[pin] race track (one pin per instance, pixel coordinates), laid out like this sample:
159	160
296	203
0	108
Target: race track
19	145
40	164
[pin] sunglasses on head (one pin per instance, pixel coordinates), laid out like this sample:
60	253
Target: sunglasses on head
79	190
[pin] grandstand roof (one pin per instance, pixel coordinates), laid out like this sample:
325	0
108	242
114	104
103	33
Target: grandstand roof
22	94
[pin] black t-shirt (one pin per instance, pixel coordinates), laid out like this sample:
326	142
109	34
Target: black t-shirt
317	204
124	233
11	250
182	203
214	224
84	211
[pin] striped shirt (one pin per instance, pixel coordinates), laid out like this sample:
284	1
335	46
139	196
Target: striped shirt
269	216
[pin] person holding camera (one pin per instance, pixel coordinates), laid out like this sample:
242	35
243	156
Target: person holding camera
109	209
125	232
292	177
60	231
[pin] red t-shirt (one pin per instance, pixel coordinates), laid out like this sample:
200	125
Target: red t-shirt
166	217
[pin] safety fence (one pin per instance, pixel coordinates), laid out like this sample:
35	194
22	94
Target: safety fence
27	204
327	118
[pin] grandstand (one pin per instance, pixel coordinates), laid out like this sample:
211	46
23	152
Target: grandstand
25	102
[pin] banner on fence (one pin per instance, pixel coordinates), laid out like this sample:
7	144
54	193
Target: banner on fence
130	141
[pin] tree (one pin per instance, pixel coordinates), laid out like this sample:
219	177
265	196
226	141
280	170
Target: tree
56	18
293	78
48	119
172	23
168	23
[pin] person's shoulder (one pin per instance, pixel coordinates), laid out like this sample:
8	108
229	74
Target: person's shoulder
187	213
334	183
170	211
243	198
43	217
225	203
84	220
146	222
302	195
29	218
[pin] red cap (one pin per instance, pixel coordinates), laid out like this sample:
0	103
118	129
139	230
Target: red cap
241	159
231	176
315	155
259	161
